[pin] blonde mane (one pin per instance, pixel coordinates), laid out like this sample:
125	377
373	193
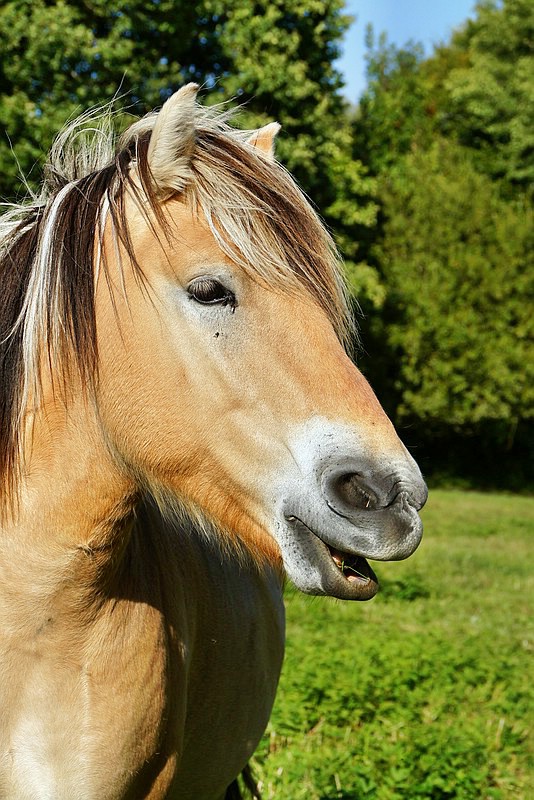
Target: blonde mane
255	210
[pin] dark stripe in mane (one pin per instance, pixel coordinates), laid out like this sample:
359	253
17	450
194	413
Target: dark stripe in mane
15	267
71	257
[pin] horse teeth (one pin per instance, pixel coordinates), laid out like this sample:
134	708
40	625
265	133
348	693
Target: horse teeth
338	559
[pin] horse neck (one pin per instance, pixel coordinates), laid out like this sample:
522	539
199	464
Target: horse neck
73	515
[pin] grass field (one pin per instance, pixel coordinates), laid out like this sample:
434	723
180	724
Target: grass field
425	692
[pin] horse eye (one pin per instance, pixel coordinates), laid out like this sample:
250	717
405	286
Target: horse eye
210	291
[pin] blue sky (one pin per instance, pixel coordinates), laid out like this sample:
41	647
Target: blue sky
425	21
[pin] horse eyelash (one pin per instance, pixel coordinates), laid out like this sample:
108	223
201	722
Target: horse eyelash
228	299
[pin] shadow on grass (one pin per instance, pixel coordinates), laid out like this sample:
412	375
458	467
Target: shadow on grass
409	588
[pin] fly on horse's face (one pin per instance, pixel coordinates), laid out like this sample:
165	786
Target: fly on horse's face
236	394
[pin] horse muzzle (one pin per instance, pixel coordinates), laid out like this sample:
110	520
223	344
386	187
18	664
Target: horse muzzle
344	510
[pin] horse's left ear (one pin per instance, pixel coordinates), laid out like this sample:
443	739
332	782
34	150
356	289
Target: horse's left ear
263	139
173	140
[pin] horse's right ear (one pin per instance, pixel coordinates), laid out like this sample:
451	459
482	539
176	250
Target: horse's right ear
173	140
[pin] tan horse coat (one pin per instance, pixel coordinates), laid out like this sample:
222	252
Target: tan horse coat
226	438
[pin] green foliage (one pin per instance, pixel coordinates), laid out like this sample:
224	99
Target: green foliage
425	692
392	112
477	90
457	261
449	138
60	58
492	95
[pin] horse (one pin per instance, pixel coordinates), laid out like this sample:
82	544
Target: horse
181	429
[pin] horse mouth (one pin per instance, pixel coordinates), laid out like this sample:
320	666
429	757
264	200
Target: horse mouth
354	568
349	576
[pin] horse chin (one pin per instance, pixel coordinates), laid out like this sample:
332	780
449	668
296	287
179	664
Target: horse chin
316	567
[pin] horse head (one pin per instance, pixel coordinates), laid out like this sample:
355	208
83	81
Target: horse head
223	379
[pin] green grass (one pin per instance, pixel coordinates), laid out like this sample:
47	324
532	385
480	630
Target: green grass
423	693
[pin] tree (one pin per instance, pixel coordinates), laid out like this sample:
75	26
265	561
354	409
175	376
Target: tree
477	90
449	138
60	58
392	110
457	263
492	95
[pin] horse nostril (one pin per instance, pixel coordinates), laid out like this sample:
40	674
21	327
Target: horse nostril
352	492
349	491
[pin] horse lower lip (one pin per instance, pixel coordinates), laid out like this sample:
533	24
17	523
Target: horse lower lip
353	568
356	579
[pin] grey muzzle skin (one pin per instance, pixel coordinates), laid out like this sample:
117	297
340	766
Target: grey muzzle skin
385	505
345	509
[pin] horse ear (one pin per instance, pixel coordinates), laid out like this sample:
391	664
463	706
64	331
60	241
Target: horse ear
173	140
263	139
